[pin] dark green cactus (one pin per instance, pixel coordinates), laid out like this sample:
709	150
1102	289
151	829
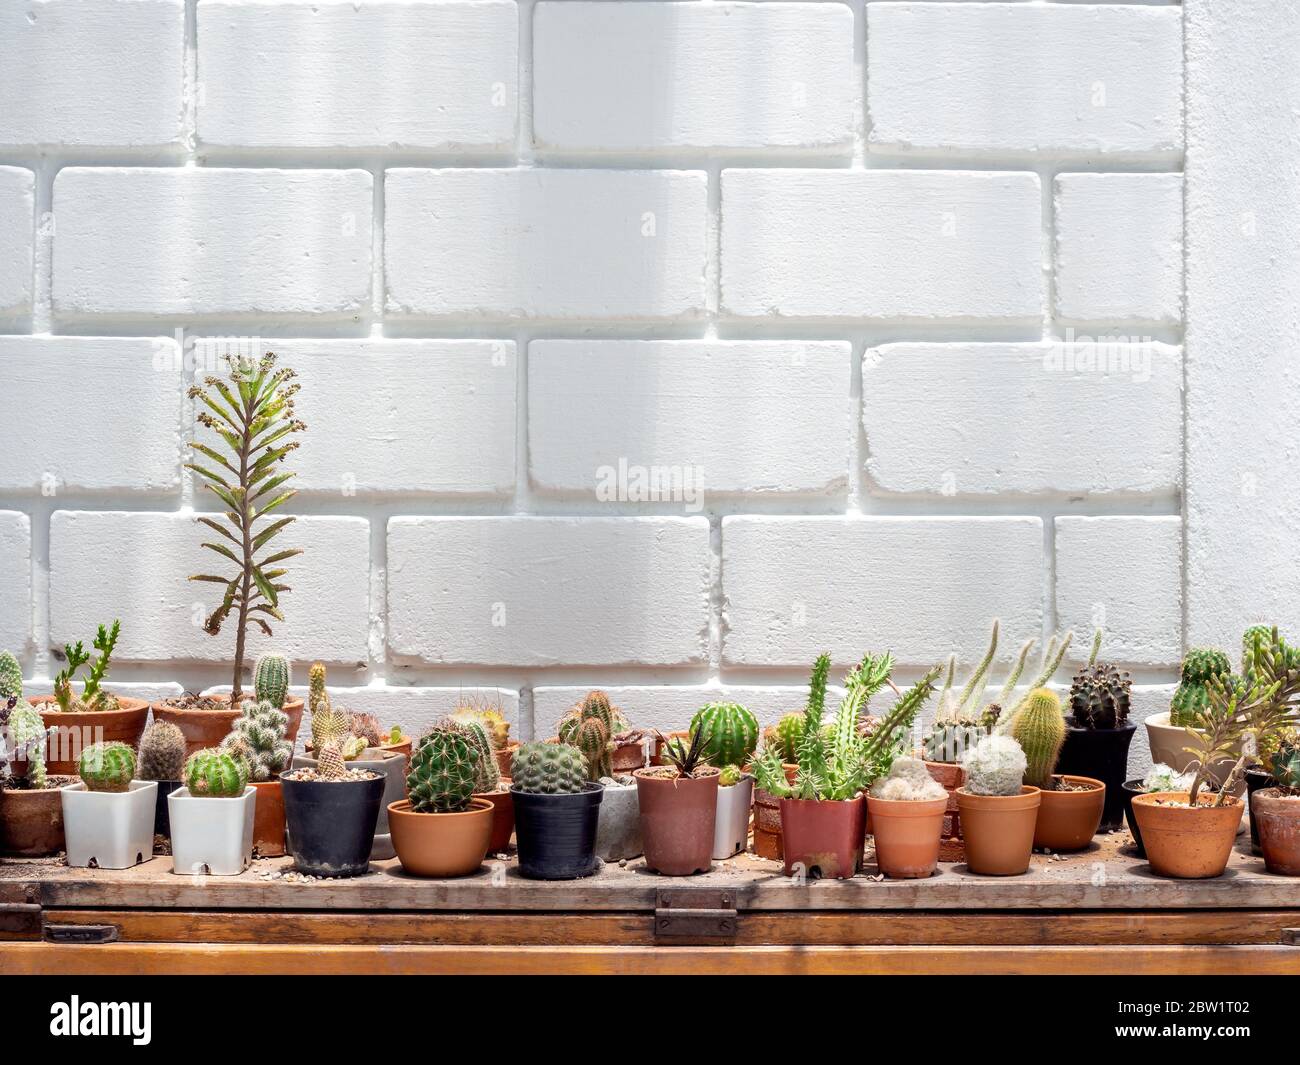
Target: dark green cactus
729	733
441	775
487	772
271	679
107	767
549	769
1200	667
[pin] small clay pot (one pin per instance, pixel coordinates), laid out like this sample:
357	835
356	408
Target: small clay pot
1257	779
503	817
678	816
998	830
444	845
767	819
823	838
1185	842
1100	754
73	732
31	822
1129	789
268	819
332	823
1067	820
1278	817
207	728
907	835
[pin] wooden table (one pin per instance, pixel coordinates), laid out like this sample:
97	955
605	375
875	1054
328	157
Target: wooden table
1099	911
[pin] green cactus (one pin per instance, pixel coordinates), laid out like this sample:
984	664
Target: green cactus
729	733
107	767
786	735
1252	640
487	773
590	726
1039	728
395	736
1200	666
93	696
729	775
162	752
441	777
215	774
1285	763
11	677
328	724
271	679
258	736
549	769
27	734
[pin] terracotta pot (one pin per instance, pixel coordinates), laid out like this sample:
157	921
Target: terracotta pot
1278	817
207	728
999	830
399	748
1187	843
767	819
74	732
629	757
907	836
823	838
1167	742
31	822
268	819
506	759
678	816
1257	779
1100	754
441	844
503	817
1067	820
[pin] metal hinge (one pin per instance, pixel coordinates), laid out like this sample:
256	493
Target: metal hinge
81	933
20	911
1290	937
685	915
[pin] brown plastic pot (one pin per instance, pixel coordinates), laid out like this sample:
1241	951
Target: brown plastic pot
503	815
907	835
73	732
207	728
823	837
1067	820
1187	843
441	844
31	822
678	815
268	818
998	830
1277	815
767	819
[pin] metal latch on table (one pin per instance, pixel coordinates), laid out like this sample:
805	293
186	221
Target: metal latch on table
683	914
1290	937
20	911
81	933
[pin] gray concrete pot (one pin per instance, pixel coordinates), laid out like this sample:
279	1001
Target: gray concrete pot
392	766
618	830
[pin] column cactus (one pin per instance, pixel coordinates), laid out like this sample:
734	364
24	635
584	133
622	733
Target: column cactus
271	680
589	726
11	677
1039	728
258	736
107	767
328	723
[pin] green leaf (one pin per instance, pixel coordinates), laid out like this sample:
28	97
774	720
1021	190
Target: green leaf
220	411
225	497
267	609
202	471
214	455
280	556
278	501
265	587
271	457
211	579
272	484
274	435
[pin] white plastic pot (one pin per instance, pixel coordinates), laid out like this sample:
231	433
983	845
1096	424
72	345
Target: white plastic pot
731	827
213	836
109	829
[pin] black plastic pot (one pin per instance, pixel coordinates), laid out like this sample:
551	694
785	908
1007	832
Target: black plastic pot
556	834
1100	753
1256	780
1128	789
331	823
162	822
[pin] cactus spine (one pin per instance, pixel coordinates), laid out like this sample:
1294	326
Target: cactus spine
258	736
215	774
1200	667
443	771
486	771
729	733
549	769
162	752
271	679
328	725
107	767
1039	728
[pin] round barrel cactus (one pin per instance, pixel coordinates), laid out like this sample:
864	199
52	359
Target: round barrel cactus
107	767
549	769
214	774
442	772
728	733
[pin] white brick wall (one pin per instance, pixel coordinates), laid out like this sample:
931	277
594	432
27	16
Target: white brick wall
17	238
15	580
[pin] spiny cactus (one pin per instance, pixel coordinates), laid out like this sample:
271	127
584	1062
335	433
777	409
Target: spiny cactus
215	774
366	727
487	773
589	726
729	733
908	781
1284	763
1100	693
442	773
995	767
93	696
549	769
11	677
1252	639
786	735
1039	728
328	724
330	764
271	679
107	767
162	752
729	775
258	736
1052	656
27	734
492	718
947	742
1200	667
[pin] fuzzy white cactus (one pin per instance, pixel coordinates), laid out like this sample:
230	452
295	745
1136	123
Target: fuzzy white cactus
908	781
995	767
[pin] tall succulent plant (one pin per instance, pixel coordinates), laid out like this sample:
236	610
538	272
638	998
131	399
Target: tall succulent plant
271	680
93	696
252	414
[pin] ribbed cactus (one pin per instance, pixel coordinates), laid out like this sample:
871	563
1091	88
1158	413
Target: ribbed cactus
1039	728
11	677
258	736
787	734
328	724
107	767
271	679
1252	639
728	775
996	766
162	752
589	726
1200	666
215	774
728	731
493	720
330	764
549	769
487	772
442	774
948	741
27	733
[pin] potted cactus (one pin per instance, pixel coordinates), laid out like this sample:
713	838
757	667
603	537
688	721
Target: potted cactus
679	808
907	809
729	734
491	716
631	748
1276	810
1167	733
212	815
1159	778
783	740
108	814
31	803
999	811
488	783
161	758
331	811
258	737
592	726
444	828
556	812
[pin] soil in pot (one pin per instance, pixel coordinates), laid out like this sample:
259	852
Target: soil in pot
907	835
331	823
1068	815
268	820
205	720
31	820
503	817
1129	789
555	835
618	829
998	830
73	732
1185	842
678	816
1257	780
441	844
823	838
1100	754
1277	813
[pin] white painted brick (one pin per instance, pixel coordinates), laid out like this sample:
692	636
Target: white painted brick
355	75
909	244
923	587
769	75
1001	78
134	566
91	73
404	416
196	241
17	233
1119	247
1124	574
545	243
977	419
15	581
578	591
739	417
134	446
